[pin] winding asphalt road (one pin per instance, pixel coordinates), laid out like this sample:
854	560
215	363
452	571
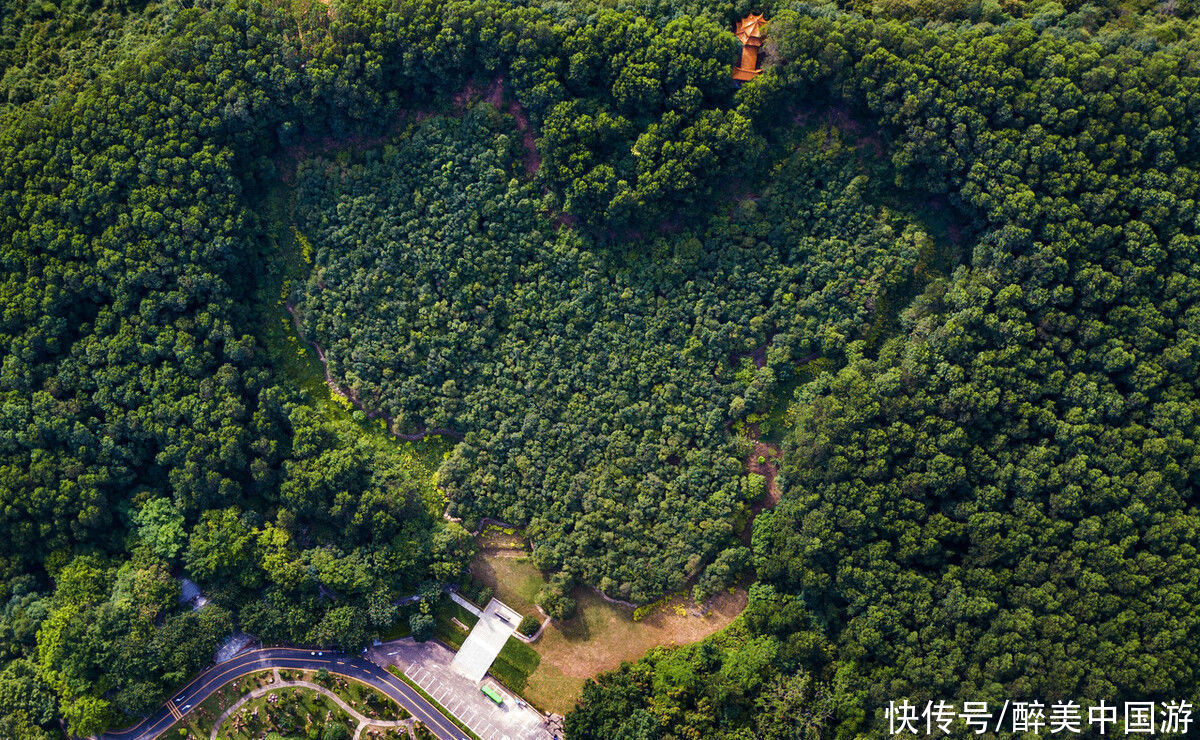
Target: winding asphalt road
359	669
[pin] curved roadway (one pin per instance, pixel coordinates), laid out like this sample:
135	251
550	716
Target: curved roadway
359	669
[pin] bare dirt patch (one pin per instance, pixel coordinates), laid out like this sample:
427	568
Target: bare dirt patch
764	460
496	94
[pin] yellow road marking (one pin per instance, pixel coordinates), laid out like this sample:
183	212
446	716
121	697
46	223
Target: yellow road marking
245	663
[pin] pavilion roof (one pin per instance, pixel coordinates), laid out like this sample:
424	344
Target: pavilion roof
751	29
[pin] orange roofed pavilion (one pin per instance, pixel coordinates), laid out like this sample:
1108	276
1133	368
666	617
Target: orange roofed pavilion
750	31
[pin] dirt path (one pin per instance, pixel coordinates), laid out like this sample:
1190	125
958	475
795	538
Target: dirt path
764	460
496	93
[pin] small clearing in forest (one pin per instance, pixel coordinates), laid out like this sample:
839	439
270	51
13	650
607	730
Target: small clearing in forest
601	635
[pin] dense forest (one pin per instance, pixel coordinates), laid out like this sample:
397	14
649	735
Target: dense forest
945	253
1001	502
593	384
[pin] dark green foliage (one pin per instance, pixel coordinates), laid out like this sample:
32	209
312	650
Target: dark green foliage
422	626
641	135
529	625
992	495
985	509
137	406
593	392
1031	479
703	690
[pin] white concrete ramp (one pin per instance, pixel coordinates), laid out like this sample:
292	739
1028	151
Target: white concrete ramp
465	604
495	626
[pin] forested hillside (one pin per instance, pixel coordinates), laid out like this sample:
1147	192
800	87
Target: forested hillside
1002	503
989	470
594	385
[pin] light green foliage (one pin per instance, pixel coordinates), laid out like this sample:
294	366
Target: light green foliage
119	623
161	525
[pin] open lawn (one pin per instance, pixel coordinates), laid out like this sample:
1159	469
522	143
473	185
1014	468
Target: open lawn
511	575
600	636
515	664
452	623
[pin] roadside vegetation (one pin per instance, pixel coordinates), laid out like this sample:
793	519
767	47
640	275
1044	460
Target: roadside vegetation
515	663
260	715
289	712
395	671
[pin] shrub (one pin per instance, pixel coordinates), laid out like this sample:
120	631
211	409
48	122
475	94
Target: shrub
529	625
421	626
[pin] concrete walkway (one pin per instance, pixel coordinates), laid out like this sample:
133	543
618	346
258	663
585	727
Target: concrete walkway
362	720
465	604
495	626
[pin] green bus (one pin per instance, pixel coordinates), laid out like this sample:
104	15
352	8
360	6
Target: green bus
492	694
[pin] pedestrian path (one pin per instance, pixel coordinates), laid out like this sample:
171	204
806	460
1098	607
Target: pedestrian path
362	720
465	604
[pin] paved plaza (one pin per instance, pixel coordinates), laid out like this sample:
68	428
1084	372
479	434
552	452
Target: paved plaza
495	626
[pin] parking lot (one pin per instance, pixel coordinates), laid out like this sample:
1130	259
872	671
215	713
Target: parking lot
428	665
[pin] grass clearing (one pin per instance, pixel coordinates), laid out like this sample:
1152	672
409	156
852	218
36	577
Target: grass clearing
515	664
514	569
599	637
